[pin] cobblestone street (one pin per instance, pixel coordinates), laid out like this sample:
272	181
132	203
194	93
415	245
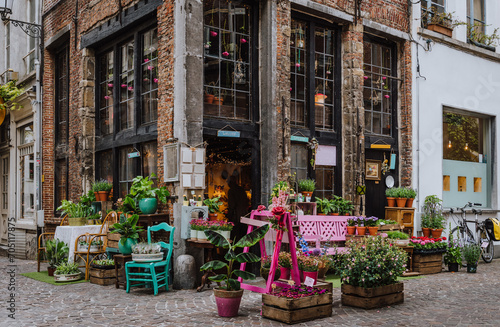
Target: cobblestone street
446	299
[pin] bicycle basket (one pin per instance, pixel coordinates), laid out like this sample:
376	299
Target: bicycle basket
492	226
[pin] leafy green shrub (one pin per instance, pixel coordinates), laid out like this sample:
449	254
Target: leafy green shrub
397	235
307	185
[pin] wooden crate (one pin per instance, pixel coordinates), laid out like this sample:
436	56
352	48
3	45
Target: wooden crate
113	239
390	227
427	263
102	276
371	298
292	311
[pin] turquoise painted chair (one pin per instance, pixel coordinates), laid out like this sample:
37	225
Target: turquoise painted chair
152	273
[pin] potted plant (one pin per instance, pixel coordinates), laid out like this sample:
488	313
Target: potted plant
285	263
8	93
391	194
410	195
129	233
351	225
219	96
369	273
94	245
228	296
209	89
433	214
197	225
308	267
56	252
398	238
324	206
105	264
147	196
126	206
439	22
400	197
213	205
344	207
265	268
471	253
67	272
307	187
222	227
428	254
360	225
453	255
147	252
371	223
102	189
77	212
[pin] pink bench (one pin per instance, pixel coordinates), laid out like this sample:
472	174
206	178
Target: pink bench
319	229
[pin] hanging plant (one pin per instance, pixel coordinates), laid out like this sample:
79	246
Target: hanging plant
313	145
9	92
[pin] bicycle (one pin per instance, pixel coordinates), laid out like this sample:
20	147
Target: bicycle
466	236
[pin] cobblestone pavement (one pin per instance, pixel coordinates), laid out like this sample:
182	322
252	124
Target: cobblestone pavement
445	299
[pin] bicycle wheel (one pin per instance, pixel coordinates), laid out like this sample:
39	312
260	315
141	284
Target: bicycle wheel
487	253
465	237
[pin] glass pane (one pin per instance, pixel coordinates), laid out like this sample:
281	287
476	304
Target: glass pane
463	138
104	169
149	159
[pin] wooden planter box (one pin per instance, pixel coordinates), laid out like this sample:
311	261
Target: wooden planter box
440	29
371	298
103	276
113	239
389	227
292	311
428	263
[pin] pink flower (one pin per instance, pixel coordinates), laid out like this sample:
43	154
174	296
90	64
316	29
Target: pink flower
383	77
146	60
261	208
106	97
297	65
150	67
290	89
365	77
130	88
213	33
124	85
243	41
155	80
225	54
386	96
110	84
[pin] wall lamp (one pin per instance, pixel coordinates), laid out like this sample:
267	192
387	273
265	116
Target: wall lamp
32	30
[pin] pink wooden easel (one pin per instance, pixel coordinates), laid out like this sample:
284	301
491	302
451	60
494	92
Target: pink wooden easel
260	219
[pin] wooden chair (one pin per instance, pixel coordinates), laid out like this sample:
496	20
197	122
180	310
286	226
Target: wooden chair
147	273
42	240
89	255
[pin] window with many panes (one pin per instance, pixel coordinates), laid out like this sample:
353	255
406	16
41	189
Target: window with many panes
227	59
430	8
312	58
378	88
127	101
476	16
61	81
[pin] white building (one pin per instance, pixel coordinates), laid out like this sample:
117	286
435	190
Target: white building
455	108
19	169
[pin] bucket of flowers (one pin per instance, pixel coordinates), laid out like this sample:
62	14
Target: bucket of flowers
222	227
296	304
198	227
285	264
308	267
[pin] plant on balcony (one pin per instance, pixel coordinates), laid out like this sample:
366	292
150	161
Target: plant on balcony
9	92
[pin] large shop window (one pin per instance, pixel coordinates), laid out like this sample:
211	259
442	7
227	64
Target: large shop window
466	159
227	60
61	125
127	101
312	79
379	90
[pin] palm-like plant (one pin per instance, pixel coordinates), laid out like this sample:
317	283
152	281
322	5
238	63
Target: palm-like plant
232	284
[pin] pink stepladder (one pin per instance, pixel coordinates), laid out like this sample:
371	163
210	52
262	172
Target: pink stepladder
259	219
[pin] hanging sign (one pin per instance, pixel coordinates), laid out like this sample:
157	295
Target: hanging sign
228	133
393	161
134	155
326	155
299	138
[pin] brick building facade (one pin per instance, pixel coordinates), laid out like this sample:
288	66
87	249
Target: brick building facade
338	72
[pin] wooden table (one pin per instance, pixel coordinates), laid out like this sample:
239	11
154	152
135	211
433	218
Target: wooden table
121	278
69	234
208	248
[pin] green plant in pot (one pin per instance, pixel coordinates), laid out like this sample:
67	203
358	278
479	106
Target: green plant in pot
391	194
101	189
345	207
213	205
66	272
432	216
471	253
453	255
56	252
324	205
307	186
143	191
265	268
129	233
228	296
77	212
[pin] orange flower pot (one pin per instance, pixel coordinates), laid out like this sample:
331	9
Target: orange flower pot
361	230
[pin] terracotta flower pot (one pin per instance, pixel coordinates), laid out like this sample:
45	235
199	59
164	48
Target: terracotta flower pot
373	230
361	230
212	216
401	202
218	101
391	202
228	302
409	202
436	233
351	230
426	231
209	98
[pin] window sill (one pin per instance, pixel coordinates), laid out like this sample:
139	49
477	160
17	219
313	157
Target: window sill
459	45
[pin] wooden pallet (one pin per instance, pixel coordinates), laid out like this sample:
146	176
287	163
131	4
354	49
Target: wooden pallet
428	263
293	311
102	276
113	239
371	298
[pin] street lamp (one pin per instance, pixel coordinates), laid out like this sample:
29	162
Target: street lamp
32	30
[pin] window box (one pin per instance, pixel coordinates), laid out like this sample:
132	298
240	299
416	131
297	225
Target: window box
441	29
